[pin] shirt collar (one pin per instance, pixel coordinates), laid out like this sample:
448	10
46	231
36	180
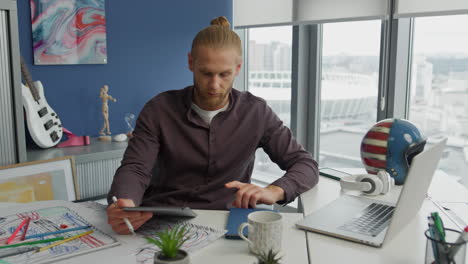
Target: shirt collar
233	98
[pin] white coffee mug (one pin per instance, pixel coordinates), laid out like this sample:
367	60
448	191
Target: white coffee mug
265	230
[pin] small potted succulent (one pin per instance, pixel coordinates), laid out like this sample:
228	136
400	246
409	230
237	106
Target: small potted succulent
269	257
170	241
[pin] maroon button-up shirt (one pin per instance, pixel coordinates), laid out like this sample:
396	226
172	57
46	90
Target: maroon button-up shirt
195	159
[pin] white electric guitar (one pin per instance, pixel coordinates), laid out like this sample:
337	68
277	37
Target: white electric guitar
43	123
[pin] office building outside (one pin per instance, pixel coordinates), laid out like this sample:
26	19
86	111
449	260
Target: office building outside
349	102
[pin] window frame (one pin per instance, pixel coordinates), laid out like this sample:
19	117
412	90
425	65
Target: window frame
396	56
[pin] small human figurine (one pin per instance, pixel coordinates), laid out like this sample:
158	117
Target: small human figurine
105	111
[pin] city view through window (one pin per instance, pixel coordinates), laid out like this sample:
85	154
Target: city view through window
439	88
269	77
349	87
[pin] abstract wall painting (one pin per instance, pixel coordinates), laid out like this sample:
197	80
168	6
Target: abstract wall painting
68	32
52	179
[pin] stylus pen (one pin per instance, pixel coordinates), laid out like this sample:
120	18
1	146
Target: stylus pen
127	222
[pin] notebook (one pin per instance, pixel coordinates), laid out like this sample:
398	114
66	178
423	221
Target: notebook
236	217
339	217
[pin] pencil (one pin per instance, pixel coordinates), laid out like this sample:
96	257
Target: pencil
33	242
16	232
23	236
58	232
14	252
65	241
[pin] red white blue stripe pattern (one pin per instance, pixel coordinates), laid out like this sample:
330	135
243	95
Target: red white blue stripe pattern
374	147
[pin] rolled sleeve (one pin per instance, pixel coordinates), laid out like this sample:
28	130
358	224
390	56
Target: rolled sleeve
283	149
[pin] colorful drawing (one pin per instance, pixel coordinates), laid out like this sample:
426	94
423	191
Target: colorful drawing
49	220
69	31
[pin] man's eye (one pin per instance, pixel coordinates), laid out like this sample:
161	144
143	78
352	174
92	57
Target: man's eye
225	74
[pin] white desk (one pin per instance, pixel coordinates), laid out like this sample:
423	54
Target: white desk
221	251
407	247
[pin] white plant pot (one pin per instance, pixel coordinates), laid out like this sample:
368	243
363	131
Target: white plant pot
183	258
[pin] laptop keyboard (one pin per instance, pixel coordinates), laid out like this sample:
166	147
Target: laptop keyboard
371	221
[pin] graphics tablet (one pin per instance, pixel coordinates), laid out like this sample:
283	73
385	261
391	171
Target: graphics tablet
163	211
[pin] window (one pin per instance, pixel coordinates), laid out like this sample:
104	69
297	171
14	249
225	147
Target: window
270	71
349	88
439	88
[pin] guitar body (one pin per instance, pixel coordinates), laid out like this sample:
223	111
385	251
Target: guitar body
43	123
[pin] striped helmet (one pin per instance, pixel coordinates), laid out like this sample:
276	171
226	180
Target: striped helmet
391	145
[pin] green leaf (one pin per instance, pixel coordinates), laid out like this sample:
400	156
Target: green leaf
269	257
170	240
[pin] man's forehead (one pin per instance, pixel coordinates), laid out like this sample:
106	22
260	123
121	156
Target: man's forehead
204	51
216	65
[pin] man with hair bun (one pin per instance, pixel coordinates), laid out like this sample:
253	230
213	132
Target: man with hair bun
203	139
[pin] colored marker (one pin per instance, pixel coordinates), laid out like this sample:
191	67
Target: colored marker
16	232
439	225
58	232
33	242
463	238
65	241
432	232
14	252
25	230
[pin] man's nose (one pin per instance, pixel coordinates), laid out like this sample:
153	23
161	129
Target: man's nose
215	82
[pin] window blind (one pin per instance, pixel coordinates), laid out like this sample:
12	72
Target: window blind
257	13
413	8
322	11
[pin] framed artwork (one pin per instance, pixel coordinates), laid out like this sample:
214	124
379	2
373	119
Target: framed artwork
68	31
43	180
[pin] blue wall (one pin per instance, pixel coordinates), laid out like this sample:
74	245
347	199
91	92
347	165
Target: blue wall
147	46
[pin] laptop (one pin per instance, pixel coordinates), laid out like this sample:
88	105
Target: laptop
345	217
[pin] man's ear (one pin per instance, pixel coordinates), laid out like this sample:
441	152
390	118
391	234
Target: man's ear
238	67
190	61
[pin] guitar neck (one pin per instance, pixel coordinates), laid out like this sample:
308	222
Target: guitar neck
29	81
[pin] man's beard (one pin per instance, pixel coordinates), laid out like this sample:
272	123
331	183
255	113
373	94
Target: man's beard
210	102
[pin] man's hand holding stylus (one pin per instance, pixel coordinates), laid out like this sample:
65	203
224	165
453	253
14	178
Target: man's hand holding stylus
115	216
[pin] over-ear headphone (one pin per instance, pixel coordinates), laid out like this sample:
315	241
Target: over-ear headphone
368	184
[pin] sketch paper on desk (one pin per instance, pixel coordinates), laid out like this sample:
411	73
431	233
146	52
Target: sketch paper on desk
458	211
51	219
199	237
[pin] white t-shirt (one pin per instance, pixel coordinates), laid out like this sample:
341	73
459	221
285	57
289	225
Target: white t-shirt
207	116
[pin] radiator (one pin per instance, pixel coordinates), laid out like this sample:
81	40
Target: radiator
94	178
